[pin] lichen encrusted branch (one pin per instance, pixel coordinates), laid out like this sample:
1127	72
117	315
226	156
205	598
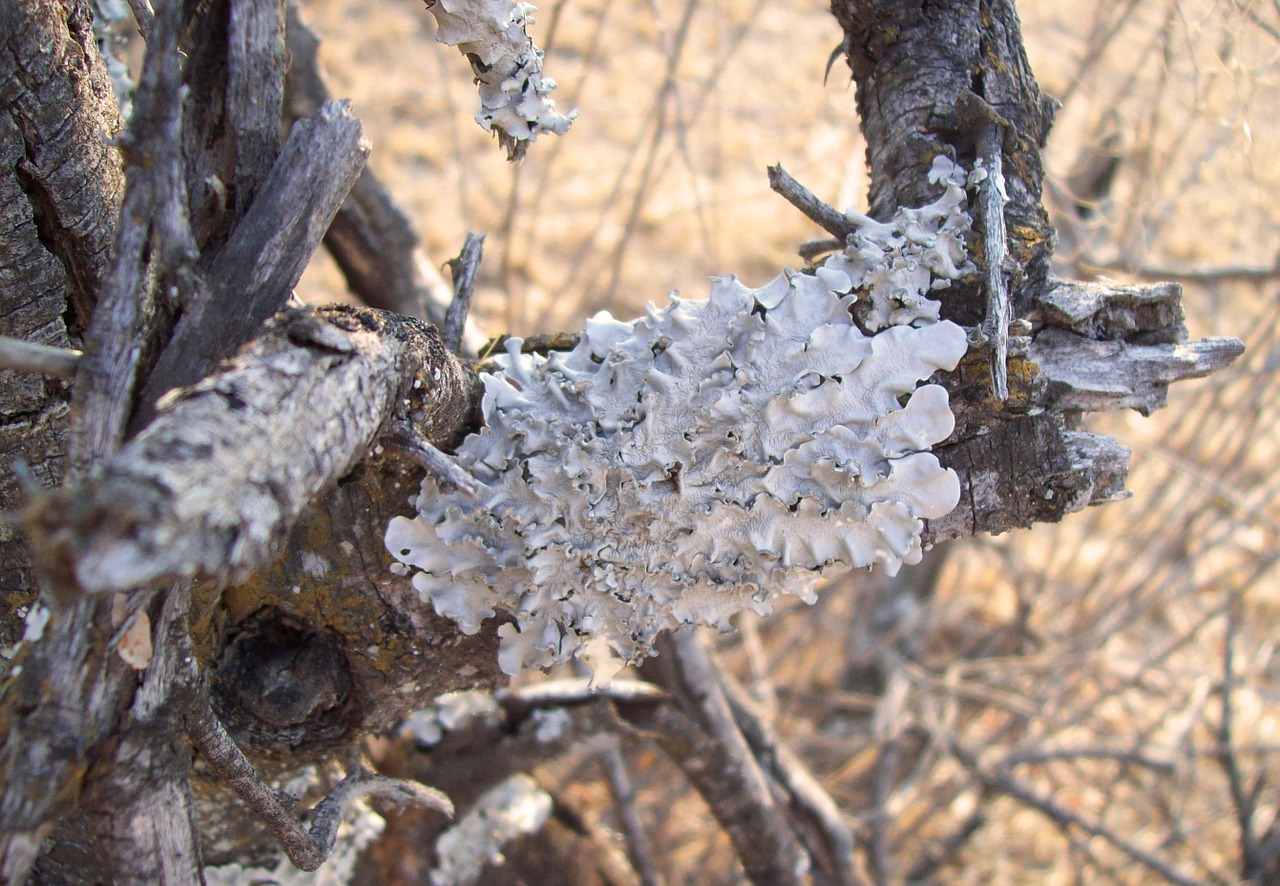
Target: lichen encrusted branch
707	457
514	96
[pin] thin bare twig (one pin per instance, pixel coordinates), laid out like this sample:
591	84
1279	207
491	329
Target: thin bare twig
143	14
826	217
808	798
447	472
1134	756
306	848
571	691
26	356
1241	801
701	737
1064	818
624	801
934	857
463	269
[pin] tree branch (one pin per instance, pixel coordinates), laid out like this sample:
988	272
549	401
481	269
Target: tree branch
25	356
255	272
211	487
154	211
58	96
698	732
808	799
306	848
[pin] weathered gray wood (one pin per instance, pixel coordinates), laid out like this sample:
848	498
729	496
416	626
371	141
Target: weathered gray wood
215	483
155	207
931	79
60	185
307	848
135	819
1150	314
1080	374
30	357
255	91
235	61
33	410
991	196
700	736
255	272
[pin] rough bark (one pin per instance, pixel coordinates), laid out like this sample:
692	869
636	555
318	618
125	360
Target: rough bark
137	820
931	79
254	273
60	191
152	252
56	95
211	487
930	76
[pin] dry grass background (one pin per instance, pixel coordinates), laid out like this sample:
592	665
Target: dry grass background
1096	702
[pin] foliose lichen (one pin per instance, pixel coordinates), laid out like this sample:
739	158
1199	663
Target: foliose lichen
514	96
508	810
707	457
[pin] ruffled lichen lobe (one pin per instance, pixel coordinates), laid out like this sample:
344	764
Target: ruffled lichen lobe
515	98
705	458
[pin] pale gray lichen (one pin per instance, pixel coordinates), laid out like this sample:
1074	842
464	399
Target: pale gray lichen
449	713
512	808
111	21
514	96
705	458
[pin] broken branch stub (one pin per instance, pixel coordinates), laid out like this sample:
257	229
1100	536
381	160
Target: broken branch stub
210	488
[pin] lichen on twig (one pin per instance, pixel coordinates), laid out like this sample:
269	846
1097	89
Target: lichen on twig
514	96
706	458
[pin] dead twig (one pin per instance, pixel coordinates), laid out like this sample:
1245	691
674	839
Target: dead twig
698	732
994	198
371	238
1064	818
624	801
1243	801
144	15
464	269
448	473
307	848
808	798
830	220
154	236
256	270
26	356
